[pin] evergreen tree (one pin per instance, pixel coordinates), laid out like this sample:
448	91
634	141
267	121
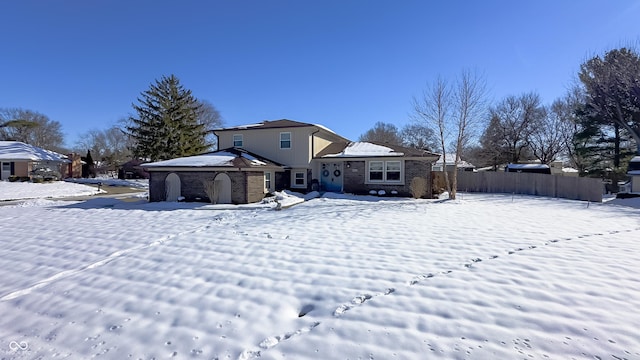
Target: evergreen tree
612	84
89	167
166	125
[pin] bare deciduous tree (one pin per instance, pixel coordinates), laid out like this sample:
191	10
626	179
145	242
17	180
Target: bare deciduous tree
383	133
111	146
419	136
518	117
548	138
432	109
31	127
210	117
470	103
456	113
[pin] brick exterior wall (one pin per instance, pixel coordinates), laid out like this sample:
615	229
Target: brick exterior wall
255	186
355	177
246	187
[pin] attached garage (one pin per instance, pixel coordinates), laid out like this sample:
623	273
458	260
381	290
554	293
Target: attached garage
230	176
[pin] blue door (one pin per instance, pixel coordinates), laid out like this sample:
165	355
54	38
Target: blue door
331	177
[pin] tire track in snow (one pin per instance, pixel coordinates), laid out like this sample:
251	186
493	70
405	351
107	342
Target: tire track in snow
359	300
111	257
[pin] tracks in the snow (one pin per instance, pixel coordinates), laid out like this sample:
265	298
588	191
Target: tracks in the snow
359	300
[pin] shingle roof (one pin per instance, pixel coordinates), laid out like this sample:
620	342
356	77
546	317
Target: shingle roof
284	123
16	150
371	149
231	157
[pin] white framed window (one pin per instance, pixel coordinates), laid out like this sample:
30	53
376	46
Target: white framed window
393	170
267	181
285	140
376	170
237	140
385	171
299	179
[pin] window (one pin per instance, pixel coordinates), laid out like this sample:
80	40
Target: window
267	181
376	171
393	170
385	171
299	179
285	140
237	140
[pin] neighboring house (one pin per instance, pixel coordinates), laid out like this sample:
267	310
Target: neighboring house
528	168
74	168
132	170
22	160
633	170
297	156
462	165
558	168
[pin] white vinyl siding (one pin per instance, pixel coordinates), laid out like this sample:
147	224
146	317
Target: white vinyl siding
379	171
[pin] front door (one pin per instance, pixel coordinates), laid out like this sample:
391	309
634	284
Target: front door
331	177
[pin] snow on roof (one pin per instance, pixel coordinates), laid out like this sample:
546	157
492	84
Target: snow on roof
569	170
360	148
214	159
450	157
326	129
528	166
16	150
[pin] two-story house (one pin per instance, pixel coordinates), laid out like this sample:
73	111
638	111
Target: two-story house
271	156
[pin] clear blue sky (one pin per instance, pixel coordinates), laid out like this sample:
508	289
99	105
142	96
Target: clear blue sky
345	64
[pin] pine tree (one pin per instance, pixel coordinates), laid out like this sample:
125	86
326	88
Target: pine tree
167	124
89	167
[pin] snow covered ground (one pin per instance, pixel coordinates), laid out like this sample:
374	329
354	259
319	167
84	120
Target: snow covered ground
338	277
60	189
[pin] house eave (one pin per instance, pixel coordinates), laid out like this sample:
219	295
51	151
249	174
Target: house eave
365	158
210	168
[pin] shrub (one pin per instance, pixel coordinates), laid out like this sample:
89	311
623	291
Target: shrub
13	178
418	187
209	189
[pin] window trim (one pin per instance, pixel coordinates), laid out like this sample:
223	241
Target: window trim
268	180
289	140
294	178
241	140
384	172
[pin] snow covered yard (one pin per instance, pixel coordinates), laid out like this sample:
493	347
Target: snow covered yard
485	277
59	189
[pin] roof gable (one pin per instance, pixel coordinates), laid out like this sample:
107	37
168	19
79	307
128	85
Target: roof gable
372	149
231	157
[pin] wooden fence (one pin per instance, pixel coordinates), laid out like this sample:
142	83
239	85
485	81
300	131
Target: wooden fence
568	187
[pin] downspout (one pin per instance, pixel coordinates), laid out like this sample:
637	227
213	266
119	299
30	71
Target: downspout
313	152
